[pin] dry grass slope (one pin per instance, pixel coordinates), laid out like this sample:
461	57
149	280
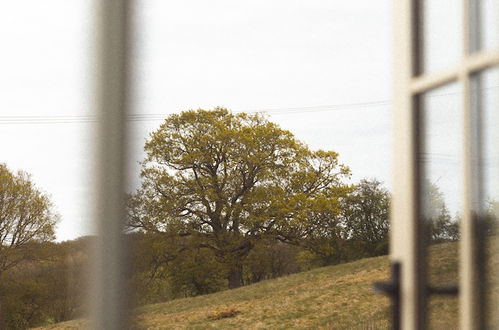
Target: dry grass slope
335	297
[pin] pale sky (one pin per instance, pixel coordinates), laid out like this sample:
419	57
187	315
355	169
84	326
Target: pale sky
322	69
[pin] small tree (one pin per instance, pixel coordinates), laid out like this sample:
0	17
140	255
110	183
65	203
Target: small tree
227	180
439	223
26	216
366	213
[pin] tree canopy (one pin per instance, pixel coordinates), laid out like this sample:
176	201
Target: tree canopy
226	180
367	217
26	216
439	224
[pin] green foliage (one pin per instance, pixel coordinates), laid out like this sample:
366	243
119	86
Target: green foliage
26	216
366	212
22	303
46	290
270	259
358	230
228	180
439	224
194	273
490	218
163	272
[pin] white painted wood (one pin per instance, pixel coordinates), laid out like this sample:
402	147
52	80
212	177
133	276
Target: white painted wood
405	237
469	65
404	227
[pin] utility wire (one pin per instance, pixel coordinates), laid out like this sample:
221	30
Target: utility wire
61	119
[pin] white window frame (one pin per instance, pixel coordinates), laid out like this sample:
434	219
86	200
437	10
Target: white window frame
406	237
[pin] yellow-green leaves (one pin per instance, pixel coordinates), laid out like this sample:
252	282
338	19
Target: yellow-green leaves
231	179
26	215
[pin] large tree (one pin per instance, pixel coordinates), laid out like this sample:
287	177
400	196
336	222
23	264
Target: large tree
26	217
225	180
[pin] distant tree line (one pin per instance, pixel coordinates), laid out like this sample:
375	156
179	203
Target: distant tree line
164	268
47	289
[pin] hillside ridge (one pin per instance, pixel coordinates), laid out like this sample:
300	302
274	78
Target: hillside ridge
332	297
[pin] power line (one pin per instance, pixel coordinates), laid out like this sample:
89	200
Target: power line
322	108
61	119
14	120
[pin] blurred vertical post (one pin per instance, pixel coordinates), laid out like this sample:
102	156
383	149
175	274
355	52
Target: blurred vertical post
109	294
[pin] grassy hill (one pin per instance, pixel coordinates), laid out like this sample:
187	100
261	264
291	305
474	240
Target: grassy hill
335	297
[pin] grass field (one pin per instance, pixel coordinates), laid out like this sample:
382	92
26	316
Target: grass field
335	297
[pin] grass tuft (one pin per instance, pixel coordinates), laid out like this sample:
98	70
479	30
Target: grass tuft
223	314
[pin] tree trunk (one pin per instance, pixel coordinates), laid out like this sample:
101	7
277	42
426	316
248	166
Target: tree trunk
235	276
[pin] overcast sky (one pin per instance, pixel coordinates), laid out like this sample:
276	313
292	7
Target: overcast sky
322	69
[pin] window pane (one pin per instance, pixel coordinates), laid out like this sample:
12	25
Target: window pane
272	56
486	199
441	196
46	129
442	45
489	24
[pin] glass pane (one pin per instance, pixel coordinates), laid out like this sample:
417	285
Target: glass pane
486	201
442	45
489	24
441	197
46	128
198	54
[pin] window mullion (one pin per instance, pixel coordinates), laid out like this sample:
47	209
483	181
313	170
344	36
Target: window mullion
108	297
469	300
